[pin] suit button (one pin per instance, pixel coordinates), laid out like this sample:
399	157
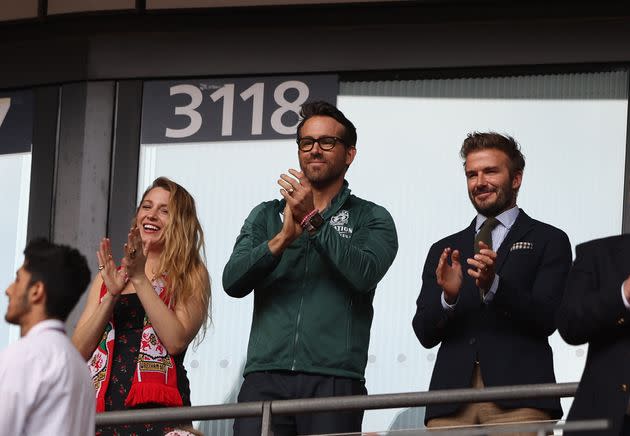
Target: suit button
624	387
472	341
621	321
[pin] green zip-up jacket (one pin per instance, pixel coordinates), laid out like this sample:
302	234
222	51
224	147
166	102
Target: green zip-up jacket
313	303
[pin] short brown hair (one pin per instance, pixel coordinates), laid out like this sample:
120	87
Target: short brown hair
476	141
325	109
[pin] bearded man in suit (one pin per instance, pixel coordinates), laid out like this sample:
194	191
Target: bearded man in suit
493	320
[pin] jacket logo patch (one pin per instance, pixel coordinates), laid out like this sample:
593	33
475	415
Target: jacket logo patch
340	223
522	246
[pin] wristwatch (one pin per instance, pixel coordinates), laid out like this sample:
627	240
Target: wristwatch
315	222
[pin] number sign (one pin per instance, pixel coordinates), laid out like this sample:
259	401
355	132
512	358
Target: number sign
202	110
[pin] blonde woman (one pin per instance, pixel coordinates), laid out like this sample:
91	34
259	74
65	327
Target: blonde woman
141	316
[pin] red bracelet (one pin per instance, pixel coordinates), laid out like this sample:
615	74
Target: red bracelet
308	216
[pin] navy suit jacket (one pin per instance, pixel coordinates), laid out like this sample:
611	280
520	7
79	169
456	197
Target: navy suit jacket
593	311
509	335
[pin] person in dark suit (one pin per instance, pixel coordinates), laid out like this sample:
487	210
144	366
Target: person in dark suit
493	320
595	310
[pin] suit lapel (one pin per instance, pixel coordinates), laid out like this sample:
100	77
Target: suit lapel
619	261
467	247
521	227
466	251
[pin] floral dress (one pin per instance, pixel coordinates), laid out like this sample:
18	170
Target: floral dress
129	319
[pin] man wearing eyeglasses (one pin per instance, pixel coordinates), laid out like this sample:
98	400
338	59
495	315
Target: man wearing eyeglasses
313	260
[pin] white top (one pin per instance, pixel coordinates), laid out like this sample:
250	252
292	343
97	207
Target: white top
45	385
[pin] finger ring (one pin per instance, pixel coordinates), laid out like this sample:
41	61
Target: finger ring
290	190
100	267
132	253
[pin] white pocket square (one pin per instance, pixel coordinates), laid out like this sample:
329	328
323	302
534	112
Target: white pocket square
522	246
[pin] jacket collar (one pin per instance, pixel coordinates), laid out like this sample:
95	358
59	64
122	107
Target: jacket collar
521	227
338	200
620	261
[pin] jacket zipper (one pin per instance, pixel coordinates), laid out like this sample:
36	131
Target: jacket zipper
349	325
299	316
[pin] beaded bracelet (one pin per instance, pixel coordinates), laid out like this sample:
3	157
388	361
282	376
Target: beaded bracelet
306	219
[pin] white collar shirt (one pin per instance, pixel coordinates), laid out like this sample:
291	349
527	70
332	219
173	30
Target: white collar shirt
45	385
506	221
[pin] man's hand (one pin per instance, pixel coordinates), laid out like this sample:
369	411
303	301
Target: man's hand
626	288
290	231
449	277
298	194
483	265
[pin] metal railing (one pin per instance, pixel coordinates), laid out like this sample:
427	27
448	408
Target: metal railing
265	409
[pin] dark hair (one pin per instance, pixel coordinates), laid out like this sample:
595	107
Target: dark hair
62	270
491	140
325	109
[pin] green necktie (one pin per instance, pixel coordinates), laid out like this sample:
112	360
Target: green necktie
485	233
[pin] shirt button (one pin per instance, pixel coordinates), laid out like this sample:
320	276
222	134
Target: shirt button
621	321
472	341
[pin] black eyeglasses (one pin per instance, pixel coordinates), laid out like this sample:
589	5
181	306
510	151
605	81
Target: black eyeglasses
325	142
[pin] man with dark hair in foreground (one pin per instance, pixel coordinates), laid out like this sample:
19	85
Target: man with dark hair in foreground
45	386
313	261
494	319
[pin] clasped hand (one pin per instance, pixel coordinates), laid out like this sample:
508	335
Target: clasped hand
132	264
298	194
449	271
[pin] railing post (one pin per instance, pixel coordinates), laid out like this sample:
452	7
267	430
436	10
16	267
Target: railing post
266	419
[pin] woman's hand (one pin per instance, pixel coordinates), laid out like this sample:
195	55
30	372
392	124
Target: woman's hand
135	256
114	278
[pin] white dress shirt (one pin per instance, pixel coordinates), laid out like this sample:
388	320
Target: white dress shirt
45	385
506	221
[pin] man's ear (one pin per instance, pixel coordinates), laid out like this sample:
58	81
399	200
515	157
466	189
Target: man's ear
351	152
517	180
37	293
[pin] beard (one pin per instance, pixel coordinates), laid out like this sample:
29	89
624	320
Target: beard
325	174
505	196
20	308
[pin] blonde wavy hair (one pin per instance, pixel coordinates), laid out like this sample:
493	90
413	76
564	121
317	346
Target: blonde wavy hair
182	260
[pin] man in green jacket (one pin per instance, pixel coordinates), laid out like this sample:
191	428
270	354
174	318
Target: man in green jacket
313	261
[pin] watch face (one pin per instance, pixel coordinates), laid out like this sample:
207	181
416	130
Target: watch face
316	221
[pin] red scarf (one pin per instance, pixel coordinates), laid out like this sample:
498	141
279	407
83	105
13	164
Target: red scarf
155	377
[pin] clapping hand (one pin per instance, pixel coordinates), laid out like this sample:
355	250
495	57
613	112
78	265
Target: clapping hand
483	265
135	255
298	193
113	277
449	276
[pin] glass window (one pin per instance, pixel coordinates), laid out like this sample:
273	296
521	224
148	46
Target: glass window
15	167
572	129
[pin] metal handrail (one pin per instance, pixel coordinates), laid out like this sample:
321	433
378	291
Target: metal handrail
512	428
265	409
